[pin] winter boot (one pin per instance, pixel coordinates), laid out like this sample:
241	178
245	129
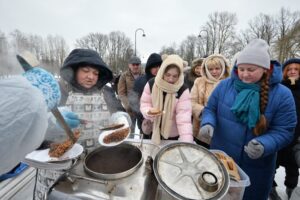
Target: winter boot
274	195
289	192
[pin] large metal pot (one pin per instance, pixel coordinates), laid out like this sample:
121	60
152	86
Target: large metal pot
188	171
113	162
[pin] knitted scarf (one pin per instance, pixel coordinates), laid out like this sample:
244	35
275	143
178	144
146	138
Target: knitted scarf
246	104
162	124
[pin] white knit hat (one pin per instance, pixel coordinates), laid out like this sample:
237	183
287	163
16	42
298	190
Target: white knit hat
256	53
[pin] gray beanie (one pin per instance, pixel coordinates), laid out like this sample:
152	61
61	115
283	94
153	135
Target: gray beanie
256	53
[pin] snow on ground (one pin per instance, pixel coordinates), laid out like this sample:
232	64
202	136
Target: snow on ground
280	175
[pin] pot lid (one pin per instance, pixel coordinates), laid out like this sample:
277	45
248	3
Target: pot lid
189	171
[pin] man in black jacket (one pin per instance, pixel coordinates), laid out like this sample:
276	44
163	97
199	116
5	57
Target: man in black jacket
152	66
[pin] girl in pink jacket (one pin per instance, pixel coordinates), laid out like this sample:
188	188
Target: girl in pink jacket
167	93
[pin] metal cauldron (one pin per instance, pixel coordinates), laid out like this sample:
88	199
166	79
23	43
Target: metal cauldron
113	162
173	174
134	181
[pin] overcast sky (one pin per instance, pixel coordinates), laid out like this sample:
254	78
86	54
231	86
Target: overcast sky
164	21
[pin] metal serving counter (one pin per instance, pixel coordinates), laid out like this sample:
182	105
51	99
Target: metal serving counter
139	185
19	187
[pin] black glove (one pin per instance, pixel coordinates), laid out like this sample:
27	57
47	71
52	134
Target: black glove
297	158
296	149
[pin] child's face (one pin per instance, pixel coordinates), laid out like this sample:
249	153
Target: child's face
293	70
249	73
171	76
197	70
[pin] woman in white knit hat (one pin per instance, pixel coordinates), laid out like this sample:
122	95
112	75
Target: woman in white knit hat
251	116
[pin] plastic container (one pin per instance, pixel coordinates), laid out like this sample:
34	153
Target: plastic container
236	188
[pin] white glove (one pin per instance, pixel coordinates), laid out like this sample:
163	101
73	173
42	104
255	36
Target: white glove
254	149
206	132
120	118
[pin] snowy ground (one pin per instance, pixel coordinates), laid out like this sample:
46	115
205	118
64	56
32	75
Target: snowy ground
280	174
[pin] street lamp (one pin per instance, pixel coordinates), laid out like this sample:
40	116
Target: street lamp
144	35
206	51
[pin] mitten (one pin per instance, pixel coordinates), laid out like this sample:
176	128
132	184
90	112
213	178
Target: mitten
120	118
254	149
206	132
147	126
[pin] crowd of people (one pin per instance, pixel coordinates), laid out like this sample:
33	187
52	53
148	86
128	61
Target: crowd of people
248	109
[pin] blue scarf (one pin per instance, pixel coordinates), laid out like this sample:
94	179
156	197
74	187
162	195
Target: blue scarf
246	104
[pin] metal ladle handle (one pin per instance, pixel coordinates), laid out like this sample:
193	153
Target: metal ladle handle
63	124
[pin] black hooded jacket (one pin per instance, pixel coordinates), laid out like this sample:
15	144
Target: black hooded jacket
81	57
295	89
139	84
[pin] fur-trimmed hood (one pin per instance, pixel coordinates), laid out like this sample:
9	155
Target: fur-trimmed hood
225	64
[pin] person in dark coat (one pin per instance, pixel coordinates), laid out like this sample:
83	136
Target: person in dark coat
251	116
152	66
79	58
286	156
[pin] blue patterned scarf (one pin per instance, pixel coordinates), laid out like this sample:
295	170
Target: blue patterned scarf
246	104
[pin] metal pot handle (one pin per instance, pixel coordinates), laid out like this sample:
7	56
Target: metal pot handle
142	140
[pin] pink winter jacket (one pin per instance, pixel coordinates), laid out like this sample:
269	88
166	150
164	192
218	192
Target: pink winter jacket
182	112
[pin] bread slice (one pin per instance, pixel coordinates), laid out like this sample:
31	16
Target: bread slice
230	165
154	111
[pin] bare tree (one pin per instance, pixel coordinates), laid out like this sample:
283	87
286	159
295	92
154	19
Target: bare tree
226	26
95	41
288	26
220	31
171	49
188	48
263	26
19	41
36	45
3	43
57	49
115	48
119	51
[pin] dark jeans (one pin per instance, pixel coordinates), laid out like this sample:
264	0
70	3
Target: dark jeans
286	159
